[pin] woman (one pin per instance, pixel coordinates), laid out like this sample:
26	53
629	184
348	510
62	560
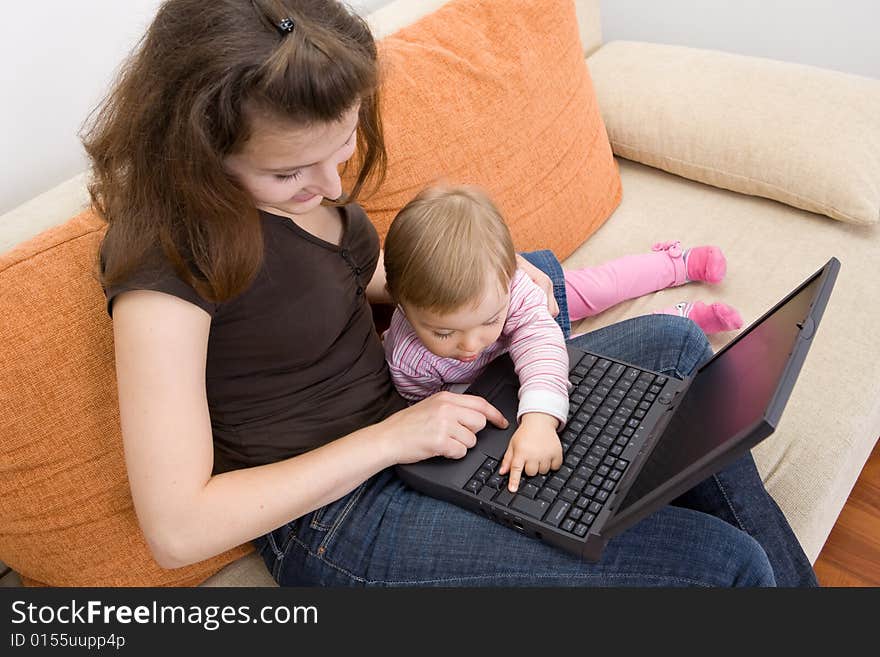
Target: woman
254	397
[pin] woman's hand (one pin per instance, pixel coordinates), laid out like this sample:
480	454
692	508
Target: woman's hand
540	279
444	424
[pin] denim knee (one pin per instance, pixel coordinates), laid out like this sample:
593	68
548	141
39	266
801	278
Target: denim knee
697	348
693	346
754	565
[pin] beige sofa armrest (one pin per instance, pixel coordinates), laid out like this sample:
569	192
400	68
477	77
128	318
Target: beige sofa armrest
44	211
8	577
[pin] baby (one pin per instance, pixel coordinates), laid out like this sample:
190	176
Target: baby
461	301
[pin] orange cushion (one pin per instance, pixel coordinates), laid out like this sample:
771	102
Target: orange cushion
497	93
66	517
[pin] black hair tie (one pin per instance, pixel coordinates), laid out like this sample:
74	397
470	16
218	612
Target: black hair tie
285	26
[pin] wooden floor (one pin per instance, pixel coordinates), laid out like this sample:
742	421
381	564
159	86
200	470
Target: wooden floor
851	556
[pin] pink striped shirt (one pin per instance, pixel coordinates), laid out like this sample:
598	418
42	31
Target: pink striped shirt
530	334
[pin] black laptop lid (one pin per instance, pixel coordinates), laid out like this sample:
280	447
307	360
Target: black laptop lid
734	401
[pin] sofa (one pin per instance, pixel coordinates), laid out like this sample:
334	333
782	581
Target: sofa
733	165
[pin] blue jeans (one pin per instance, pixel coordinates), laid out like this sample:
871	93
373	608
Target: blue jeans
726	531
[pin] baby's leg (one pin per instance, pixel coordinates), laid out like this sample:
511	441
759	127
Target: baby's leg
712	318
594	289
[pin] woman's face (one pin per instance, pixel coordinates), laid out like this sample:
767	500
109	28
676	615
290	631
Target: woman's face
293	168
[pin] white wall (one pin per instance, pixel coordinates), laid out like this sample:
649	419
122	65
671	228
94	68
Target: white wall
838	34
57	58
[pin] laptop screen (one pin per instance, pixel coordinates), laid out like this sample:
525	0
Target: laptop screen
729	395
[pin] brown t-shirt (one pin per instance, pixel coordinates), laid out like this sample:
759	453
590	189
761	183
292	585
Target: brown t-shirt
293	362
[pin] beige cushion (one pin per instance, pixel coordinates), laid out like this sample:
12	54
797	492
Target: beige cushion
832	420
805	136
10	579
250	570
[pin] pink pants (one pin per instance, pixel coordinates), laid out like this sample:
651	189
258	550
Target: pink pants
594	289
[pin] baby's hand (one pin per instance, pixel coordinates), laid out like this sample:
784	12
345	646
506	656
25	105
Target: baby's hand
534	448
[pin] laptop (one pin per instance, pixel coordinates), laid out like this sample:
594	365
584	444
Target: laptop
635	439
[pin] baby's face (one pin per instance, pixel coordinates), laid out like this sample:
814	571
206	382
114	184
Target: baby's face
464	333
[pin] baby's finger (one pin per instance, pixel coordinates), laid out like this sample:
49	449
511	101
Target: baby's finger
505	461
515	475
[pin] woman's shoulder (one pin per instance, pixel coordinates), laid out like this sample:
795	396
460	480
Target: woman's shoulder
355	212
156	273
361	233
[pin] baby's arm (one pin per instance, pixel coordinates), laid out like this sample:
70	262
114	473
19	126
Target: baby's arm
409	362
413	386
538	351
540	357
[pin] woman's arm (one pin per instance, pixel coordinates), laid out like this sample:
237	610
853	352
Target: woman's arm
186	513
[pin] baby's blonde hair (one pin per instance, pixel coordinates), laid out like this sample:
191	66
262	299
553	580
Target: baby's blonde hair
444	246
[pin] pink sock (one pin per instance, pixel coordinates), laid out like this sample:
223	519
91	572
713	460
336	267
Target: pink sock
705	263
713	318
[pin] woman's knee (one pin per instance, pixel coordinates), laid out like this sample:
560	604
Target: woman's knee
729	557
686	339
709	551
754	567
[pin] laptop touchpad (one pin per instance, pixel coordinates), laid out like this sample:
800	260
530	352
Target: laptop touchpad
493	441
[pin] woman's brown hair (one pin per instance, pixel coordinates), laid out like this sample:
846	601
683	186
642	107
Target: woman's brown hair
445	246
180	105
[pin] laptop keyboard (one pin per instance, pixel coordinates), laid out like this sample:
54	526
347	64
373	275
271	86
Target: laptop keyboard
606	405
